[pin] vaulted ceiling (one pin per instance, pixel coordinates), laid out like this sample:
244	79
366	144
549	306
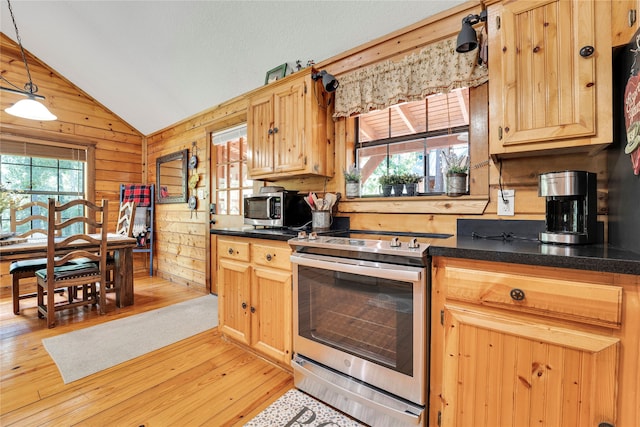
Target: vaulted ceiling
155	63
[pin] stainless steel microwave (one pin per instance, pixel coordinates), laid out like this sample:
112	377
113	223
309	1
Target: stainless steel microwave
277	209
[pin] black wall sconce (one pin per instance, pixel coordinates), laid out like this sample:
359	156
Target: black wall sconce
329	83
467	38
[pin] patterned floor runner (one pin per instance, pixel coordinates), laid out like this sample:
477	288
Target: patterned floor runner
296	408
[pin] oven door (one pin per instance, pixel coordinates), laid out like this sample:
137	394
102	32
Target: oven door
365	319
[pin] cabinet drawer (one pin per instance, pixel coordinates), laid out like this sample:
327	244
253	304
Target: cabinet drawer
271	256
232	249
559	298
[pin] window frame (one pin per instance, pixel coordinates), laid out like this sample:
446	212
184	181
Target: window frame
53	142
474	203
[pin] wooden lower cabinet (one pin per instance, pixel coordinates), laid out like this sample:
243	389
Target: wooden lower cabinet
526	360
254	291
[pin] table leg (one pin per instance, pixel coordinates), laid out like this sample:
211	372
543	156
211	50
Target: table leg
124	273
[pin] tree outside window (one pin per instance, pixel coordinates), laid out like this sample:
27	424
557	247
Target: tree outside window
410	138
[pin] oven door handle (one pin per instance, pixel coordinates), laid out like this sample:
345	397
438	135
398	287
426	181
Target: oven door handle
383	271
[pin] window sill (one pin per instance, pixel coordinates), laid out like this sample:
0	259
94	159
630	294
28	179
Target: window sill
468	205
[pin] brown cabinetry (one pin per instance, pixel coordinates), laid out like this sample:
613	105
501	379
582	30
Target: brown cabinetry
254	289
289	129
523	345
624	20
552	64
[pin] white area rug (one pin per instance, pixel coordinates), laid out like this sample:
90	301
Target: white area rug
295	408
90	350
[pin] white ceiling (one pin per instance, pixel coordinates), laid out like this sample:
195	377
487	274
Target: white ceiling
154	63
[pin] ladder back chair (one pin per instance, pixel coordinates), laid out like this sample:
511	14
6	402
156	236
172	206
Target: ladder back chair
61	251
26	220
125	228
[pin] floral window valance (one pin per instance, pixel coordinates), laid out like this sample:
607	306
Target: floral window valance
438	68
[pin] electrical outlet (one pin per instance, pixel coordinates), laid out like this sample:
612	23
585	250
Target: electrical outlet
506	202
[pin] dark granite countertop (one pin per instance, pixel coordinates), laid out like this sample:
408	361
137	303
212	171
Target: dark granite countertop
280	234
581	257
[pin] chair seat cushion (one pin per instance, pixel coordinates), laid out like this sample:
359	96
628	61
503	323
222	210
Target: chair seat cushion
69	271
27	265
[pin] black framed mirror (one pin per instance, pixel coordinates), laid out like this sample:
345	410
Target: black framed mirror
171	177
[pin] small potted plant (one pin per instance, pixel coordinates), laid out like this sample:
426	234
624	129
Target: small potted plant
385	182
411	181
456	168
352	176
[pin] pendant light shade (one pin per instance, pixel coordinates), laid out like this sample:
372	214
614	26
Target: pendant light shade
30	109
26	108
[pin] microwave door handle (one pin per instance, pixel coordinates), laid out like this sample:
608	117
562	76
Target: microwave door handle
391	272
269	207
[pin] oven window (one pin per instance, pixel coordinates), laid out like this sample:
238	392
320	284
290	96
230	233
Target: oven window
367	317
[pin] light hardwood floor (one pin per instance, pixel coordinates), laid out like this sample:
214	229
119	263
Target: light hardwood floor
203	380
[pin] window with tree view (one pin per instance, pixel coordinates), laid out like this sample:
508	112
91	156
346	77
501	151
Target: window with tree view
49	172
414	138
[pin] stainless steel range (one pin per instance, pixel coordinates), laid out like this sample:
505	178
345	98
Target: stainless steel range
361	325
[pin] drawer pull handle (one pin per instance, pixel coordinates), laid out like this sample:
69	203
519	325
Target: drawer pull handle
230	251
268	257
517	294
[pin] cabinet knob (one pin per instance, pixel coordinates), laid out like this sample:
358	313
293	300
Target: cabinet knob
517	294
275	130
230	251
587	51
268	257
605	425
253	309
244	305
631	17
270	131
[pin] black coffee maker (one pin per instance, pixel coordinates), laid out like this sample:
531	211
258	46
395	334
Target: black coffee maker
570	207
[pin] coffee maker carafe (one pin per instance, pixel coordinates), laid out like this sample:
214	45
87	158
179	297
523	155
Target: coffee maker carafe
570	207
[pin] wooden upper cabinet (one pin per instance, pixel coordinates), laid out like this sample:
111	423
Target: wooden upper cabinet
624	20
289	129
550	75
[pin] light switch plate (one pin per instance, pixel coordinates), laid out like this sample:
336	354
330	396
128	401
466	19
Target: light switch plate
506	202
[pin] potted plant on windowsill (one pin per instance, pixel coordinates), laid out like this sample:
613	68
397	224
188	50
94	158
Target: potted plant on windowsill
411	181
352	176
385	183
457	169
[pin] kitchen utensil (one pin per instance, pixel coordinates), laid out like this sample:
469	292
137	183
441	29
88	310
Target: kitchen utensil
330	198
315	200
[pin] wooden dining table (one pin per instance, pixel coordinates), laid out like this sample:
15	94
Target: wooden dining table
14	249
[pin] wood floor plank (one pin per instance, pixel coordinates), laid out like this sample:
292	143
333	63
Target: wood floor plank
203	380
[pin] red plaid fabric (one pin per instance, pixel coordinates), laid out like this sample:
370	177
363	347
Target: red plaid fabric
141	194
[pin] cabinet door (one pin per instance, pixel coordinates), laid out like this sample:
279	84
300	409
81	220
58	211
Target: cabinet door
624	21
234	280
271	313
260	128
547	89
502	371
289	128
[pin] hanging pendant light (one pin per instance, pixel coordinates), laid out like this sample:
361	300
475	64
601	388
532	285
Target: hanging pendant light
28	108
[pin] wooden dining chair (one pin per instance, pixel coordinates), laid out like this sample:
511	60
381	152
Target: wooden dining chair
125	218
125	228
60	271
26	220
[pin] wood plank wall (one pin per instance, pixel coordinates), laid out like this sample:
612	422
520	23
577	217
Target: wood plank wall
183	239
118	146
